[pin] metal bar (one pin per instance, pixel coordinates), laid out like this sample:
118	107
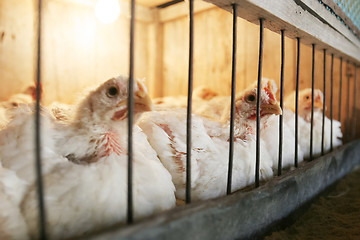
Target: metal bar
347	129
340	89
281	100
257	166
233	91
331	101
354	104
324	106
189	102
312	101
297	102
38	166
130	210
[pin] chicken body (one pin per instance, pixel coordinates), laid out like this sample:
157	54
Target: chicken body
86	197
85	164
305	122
270	135
269	129
17	143
12	189
26	97
166	131
62	112
200	96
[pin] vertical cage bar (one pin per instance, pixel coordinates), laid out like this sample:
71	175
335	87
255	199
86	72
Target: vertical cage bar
233	91
257	165
38	166
340	89
281	100
189	103
347	126
312	101
331	101
354	105
297	102
324	106
130	217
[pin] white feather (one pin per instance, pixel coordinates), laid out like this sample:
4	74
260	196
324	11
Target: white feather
12	189
166	131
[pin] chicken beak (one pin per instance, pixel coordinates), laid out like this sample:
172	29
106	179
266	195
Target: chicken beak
142	102
318	104
122	103
271	108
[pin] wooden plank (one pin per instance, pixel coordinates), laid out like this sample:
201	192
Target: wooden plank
331	19
298	20
151	3
182	10
143	3
338	11
143	12
79	51
17	52
155	59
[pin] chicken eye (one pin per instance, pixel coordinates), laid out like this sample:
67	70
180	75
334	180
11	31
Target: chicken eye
250	98
112	92
14	104
307	97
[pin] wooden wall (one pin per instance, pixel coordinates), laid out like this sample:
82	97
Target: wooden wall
16	46
79	51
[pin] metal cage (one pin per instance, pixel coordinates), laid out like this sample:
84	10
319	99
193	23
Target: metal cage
280	16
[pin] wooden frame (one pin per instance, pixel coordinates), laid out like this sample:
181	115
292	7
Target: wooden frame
300	18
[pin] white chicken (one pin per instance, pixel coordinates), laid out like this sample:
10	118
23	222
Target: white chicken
90	191
271	139
269	132
27	96
217	106
61	112
269	125
17	142
200	96
166	131
305	122
12	189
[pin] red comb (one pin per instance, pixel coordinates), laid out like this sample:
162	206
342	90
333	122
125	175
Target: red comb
318	96
269	93
33	94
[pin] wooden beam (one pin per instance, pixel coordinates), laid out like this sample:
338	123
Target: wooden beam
182	10
155	57
331	19
143	13
299	20
338	11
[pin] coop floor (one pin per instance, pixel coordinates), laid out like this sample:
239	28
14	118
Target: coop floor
334	214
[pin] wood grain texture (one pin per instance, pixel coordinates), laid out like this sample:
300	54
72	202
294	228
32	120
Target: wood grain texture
181	10
299	20
77	50
212	63
338	11
17	40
